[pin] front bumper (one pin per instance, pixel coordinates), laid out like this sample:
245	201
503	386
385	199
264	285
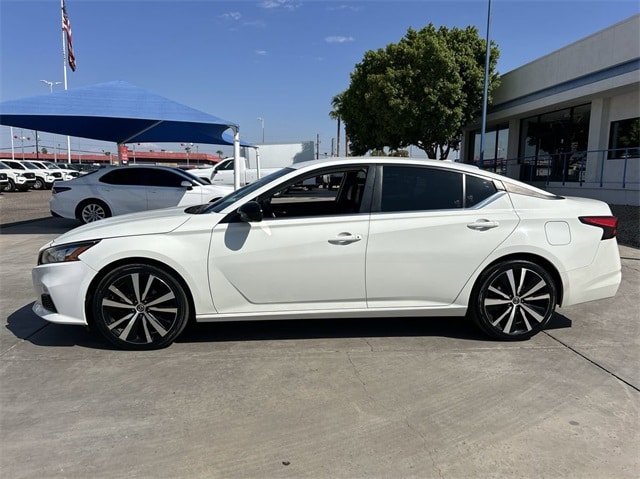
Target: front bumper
61	289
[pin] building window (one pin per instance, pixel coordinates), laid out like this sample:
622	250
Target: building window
553	145
496	141
624	139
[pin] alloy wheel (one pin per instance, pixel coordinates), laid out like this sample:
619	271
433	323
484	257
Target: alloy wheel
140	307
92	212
515	301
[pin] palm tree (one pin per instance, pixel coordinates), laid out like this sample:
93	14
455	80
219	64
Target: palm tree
220	153
334	114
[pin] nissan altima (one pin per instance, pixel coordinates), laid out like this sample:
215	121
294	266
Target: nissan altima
112	191
395	238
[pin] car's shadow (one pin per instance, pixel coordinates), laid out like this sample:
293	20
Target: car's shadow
48	225
25	325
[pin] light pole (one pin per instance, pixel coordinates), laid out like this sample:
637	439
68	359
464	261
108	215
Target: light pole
187	148
261	120
22	138
51	83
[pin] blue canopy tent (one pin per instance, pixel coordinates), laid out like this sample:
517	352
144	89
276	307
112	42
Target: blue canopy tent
119	112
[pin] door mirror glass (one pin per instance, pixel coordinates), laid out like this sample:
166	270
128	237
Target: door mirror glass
251	212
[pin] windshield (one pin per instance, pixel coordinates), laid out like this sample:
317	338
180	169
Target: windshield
30	166
246	190
50	165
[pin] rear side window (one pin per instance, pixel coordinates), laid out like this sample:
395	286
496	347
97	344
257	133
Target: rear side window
416	188
122	176
477	190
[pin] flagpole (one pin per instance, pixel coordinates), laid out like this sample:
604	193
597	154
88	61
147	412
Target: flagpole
64	68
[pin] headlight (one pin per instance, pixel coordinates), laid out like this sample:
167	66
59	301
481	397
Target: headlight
65	252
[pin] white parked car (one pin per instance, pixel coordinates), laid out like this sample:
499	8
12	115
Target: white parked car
397	237
17	180
113	191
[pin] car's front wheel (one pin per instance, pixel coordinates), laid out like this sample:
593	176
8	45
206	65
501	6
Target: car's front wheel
10	186
513	300
39	184
92	210
140	307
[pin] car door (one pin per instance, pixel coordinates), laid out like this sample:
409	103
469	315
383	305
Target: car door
308	253
224	173
123	189
164	189
430	230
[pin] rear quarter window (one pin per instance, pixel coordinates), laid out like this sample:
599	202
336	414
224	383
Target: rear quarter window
478	189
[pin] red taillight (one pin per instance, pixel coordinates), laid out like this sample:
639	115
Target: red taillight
609	224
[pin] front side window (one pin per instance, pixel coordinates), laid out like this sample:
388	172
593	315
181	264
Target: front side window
624	139
161	178
335	191
417	188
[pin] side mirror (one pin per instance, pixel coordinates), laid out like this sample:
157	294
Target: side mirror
251	212
186	184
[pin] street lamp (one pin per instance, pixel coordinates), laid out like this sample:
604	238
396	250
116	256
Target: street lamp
51	83
261	120
22	138
187	148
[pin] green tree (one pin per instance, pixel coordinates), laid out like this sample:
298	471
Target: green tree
220	153
334	114
44	151
420	91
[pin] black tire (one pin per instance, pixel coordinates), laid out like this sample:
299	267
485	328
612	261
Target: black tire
39	184
92	210
513	300
10	186
140	307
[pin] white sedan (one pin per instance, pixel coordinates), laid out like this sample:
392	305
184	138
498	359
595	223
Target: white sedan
396	238
115	191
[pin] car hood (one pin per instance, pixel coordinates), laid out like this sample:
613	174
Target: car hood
134	224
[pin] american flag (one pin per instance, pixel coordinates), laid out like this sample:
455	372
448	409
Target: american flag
66	26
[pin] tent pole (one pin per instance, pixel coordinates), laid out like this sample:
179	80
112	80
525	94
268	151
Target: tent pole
236	157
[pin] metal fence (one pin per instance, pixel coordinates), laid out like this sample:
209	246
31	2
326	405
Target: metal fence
616	168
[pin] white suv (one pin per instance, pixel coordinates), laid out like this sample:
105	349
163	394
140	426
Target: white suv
17	179
60	174
43	179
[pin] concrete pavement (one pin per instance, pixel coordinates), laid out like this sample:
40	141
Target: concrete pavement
389	398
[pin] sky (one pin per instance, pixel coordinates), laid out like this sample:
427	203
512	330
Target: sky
270	66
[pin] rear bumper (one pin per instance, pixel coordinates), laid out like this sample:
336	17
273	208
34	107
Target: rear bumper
601	279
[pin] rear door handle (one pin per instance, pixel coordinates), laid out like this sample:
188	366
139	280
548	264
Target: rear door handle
483	225
345	238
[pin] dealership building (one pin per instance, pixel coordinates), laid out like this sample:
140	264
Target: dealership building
570	121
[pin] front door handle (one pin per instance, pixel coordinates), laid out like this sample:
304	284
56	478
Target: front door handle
345	238
483	225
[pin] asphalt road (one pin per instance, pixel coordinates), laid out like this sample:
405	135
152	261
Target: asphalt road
387	398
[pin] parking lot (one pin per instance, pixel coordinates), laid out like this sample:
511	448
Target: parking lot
384	398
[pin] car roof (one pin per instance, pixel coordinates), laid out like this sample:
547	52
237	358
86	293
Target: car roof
386	160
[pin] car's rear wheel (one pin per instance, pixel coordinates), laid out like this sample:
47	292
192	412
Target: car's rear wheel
513	300
92	210
140	307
